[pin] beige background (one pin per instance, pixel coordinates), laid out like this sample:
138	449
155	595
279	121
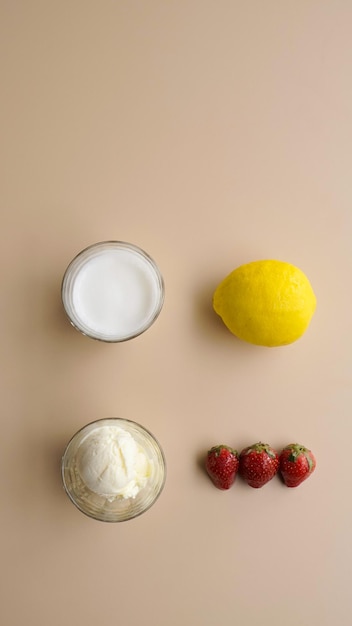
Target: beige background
210	134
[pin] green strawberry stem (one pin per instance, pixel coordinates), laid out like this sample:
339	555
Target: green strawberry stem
261	447
296	450
217	449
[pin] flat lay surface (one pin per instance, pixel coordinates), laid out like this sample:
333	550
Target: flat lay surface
209	134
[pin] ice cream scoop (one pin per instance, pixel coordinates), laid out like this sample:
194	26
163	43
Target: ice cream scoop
112	464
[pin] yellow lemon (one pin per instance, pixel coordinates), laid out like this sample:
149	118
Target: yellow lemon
268	303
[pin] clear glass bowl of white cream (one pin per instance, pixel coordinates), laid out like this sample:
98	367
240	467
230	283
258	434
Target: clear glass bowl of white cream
112	291
113	469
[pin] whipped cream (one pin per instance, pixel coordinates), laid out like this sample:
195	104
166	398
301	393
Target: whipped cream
112	464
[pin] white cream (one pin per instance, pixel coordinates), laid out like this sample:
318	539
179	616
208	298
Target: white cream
116	293
112	464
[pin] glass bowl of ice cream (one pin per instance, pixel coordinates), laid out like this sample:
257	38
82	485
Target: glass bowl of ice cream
113	469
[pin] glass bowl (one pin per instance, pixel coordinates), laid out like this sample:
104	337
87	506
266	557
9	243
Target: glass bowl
94	470
112	291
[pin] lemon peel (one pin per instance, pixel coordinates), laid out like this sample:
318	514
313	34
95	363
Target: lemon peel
267	303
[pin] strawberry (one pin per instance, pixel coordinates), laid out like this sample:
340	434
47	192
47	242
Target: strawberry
222	465
297	463
258	464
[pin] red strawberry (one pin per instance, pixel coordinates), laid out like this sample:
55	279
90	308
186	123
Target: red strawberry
297	463
222	465
258	464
